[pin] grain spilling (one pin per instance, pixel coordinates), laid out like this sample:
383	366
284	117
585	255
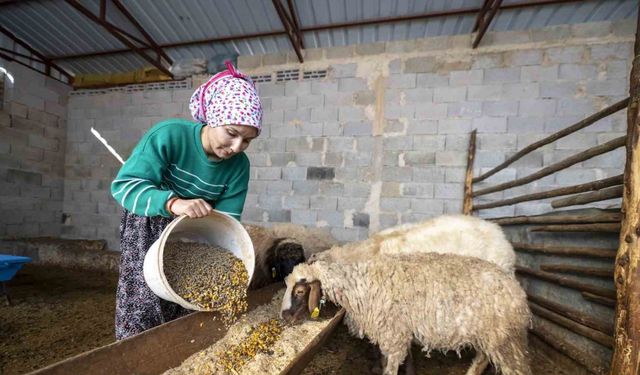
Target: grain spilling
258	343
207	276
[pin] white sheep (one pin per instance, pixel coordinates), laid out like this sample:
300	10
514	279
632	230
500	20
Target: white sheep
442	301
451	234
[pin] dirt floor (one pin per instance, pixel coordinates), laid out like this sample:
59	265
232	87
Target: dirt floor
58	313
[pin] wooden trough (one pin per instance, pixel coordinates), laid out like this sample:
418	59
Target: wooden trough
167	346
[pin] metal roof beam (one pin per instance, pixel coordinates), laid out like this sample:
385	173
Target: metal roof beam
293	32
485	16
132	47
13	59
458	12
46	61
142	31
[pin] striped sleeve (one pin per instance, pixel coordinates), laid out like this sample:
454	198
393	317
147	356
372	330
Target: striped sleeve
137	185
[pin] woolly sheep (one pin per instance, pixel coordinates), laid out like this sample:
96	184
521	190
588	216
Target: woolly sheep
275	256
442	301
454	234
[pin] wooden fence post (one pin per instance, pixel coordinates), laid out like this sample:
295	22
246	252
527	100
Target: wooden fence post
467	203
626	356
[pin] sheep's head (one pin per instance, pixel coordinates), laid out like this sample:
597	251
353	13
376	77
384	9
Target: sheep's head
287	254
302	296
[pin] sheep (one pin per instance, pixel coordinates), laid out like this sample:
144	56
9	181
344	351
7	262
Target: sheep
442	301
275	256
455	234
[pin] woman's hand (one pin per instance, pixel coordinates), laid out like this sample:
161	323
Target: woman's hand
194	208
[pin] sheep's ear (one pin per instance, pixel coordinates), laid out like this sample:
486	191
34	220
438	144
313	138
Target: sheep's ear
315	293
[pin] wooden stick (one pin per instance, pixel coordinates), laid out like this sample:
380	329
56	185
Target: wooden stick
467	205
575	315
562	133
600	217
582	156
606	272
592	252
590	186
594	227
609	302
572	326
561	344
566	282
596	196
626	356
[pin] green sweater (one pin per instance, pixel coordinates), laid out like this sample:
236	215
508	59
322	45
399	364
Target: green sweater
170	161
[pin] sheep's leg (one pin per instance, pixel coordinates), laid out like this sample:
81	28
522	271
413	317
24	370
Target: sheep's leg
479	364
393	357
409	365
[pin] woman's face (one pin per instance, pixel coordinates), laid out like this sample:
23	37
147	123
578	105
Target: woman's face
225	141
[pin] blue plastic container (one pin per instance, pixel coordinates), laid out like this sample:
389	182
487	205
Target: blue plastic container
10	264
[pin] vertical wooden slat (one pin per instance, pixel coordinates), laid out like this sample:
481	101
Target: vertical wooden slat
626	356
467	204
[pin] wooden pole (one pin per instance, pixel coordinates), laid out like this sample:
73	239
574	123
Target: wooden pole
590	186
566	282
467	205
591	252
572	326
600	217
594	227
574	159
604	301
606	272
553	137
626	356
596	196
575	315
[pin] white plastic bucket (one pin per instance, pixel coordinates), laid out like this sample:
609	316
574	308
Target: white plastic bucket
217	229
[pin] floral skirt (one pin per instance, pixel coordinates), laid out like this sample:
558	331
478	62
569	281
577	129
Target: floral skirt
137	307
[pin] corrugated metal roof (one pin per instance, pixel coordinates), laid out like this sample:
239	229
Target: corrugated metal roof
55	28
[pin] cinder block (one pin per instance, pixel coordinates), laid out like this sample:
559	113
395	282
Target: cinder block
401	81
612	87
400	143
323	87
395	204
344	70
451	159
351	203
395	66
503	142
539	73
306	187
577	141
397	174
339	99
488	61
271	89
449	94
430	111
274	59
268	173
432	80
570	106
525	125
558	89
537	107
624	27
576	176
328	216
365	98
418	96
448	191
577	72
485	92
417	189
295	202
420	127
591	29
352	84
617	69
269	201
297	88
500	75
351	114
247	62
424	64
294	173
464	109
566	54
402	46
324	114
614	159
340	52
466	77
357	128
370	49
432	43
304	217
419	158
490	124
454	126
557	123
453	206
297	115
526	57
521	90
488	158
557	32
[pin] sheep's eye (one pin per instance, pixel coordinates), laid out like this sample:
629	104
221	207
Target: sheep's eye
299	292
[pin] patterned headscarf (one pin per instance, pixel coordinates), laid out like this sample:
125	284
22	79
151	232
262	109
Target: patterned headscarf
227	98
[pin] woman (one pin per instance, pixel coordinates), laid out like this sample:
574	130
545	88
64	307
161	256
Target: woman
177	168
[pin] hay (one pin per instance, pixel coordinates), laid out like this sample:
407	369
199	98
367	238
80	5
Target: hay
271	359
209	277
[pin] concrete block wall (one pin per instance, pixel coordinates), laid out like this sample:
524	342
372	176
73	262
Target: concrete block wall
382	139
32	151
